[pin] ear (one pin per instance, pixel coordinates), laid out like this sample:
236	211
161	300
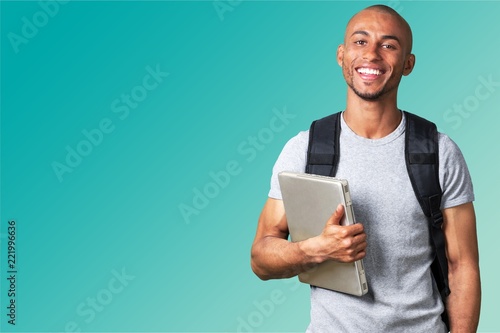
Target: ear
340	54
409	64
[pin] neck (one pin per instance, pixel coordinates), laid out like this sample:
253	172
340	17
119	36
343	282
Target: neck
372	119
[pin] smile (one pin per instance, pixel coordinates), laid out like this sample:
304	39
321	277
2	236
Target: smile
369	71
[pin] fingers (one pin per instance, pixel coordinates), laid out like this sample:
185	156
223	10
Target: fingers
353	247
343	243
345	231
336	216
358	256
358	249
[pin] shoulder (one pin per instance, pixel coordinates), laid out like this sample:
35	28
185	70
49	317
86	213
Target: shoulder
454	175
295	151
292	158
448	149
446	144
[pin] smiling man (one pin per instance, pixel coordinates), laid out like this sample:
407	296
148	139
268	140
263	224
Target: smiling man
392	234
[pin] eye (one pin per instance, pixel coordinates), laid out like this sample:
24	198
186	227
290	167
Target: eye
360	42
388	46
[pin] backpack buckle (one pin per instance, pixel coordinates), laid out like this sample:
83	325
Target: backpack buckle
437	219
435	208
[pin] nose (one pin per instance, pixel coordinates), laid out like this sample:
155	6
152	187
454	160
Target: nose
371	52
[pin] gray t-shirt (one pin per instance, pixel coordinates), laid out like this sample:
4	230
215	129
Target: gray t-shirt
402	295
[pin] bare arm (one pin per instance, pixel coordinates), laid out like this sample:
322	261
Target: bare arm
273	256
464	301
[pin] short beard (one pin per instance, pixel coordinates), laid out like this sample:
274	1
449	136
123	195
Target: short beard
367	97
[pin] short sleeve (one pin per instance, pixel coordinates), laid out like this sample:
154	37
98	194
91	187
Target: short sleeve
454	175
292	158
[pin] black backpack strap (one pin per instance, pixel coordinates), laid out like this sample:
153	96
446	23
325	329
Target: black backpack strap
323	150
422	162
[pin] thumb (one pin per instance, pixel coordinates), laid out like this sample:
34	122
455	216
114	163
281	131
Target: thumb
336	216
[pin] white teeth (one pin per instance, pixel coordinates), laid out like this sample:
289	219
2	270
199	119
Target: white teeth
369	71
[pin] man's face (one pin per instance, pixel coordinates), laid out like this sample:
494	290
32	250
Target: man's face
375	54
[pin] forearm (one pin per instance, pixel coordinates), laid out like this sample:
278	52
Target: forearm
464	301
275	258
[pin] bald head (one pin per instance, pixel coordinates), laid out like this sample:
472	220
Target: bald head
389	13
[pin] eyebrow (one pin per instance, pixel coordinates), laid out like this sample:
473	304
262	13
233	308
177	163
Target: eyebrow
364	33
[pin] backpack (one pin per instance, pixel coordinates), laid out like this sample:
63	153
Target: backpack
422	163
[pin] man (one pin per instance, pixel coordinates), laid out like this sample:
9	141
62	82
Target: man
393	235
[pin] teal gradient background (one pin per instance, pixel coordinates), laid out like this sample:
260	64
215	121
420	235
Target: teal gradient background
228	76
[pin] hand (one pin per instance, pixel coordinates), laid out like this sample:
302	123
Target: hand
341	243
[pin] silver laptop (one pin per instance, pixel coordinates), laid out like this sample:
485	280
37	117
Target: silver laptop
309	202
